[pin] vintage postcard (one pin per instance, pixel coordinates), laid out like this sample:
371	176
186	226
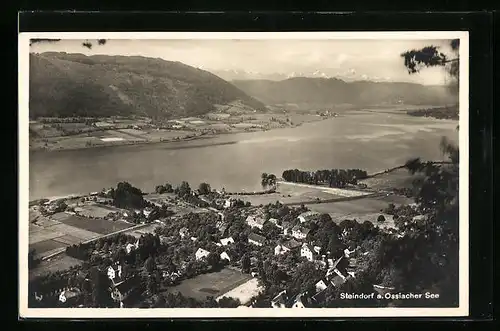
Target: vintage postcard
243	174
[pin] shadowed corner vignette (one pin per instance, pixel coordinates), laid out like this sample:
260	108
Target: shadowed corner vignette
257	173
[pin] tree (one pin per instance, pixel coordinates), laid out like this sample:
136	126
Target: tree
152	285
204	188
32	260
149	264
127	196
213	259
245	263
430	56
268	180
184	189
228	302
160	189
381	218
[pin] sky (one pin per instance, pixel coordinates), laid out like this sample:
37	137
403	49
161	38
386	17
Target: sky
361	59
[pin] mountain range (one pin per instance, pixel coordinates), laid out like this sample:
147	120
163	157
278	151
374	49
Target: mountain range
65	85
76	85
333	91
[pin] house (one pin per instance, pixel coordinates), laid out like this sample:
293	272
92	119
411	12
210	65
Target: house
348	253
276	223
115	273
255	221
299	302
287	228
69	296
280	249
307	216
126	292
307	252
227	241
256	239
130	247
279	301
317	249
201	254
299	232
225	256
335	270
286	247
321	285
183	232
229	203
147	211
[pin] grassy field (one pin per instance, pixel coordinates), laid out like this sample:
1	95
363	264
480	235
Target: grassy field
366	209
96	210
289	194
399	178
212	284
46	246
57	263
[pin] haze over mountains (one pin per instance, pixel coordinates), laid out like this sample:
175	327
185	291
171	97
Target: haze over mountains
348	74
63	85
333	91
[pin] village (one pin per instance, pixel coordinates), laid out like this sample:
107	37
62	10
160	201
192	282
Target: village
201	243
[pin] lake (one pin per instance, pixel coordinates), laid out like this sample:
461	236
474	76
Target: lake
365	140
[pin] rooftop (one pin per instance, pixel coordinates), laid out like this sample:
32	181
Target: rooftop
255	237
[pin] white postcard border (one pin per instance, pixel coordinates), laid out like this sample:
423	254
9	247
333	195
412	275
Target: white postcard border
73	313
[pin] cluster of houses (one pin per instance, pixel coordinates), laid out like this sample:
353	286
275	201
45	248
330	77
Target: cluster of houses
338	272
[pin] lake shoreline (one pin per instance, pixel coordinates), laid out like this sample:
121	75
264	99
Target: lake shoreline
170	141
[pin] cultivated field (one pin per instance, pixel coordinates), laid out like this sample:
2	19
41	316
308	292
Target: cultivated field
100	226
49	235
366	209
212	284
245	291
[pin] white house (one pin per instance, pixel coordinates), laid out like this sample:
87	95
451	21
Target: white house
299	232
227	241
225	256
183	232
68	295
201	254
307	216
255	221
279	301
320	286
298	303
307	252
147	211
130	247
228	203
286	247
115	273
280	249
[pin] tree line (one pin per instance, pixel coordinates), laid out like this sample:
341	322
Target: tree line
333	178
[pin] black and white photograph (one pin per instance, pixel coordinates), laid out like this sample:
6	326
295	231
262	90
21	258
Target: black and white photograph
243	174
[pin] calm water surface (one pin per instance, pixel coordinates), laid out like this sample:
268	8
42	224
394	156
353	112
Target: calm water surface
368	141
